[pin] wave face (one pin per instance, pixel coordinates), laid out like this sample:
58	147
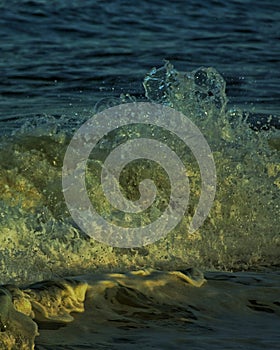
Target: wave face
156	309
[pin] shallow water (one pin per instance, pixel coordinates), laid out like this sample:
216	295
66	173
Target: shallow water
233	310
151	309
61	63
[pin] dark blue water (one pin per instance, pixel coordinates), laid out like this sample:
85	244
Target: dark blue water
63	56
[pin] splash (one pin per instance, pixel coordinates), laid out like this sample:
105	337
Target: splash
39	239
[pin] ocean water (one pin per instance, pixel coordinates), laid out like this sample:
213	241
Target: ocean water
217	63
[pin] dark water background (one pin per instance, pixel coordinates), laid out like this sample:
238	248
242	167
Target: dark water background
63	56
